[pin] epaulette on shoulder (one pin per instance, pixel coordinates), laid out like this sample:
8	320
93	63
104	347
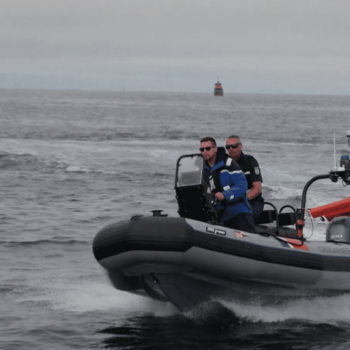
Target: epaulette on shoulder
228	161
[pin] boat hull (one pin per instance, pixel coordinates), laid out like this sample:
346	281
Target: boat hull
188	262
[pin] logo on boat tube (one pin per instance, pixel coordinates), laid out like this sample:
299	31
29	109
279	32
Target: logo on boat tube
216	231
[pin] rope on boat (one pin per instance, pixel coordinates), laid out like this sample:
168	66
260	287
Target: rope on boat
312	223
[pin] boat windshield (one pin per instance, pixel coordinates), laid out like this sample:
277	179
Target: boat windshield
189	170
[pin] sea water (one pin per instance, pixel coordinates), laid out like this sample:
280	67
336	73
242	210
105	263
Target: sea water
72	162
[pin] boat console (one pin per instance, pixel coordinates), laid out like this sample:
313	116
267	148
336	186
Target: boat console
191	190
195	202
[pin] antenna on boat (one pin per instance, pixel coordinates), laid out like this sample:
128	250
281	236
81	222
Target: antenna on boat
335	159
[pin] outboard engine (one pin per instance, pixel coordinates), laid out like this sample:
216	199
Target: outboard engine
339	230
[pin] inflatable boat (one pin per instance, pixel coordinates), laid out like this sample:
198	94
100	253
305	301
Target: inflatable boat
192	259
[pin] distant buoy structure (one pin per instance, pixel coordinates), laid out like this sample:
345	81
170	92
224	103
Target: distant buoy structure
218	91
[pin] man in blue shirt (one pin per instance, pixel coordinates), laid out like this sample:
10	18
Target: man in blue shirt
228	186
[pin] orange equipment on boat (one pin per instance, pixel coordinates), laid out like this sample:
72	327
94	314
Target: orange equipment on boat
332	210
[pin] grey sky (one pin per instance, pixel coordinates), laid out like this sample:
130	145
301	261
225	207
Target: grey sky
264	46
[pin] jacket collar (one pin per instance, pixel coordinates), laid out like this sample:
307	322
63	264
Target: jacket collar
240	158
220	159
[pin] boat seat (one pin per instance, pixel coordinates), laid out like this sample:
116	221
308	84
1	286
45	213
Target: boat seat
280	219
281	231
286	219
266	230
266	217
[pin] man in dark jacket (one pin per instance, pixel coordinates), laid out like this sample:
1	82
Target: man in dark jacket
250	168
228	185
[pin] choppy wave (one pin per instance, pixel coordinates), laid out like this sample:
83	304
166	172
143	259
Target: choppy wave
331	310
48	242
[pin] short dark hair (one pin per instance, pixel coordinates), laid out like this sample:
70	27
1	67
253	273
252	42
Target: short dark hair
234	137
208	138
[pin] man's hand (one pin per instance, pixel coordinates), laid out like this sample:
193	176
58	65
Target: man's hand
219	196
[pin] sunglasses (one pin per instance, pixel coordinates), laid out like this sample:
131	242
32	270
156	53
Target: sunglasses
235	145
205	148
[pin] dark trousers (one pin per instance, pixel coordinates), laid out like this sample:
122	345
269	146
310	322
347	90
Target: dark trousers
257	207
243	222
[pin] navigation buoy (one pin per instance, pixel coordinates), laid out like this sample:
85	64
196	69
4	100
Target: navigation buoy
218	91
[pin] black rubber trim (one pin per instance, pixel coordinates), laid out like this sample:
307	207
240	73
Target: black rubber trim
147	233
174	234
